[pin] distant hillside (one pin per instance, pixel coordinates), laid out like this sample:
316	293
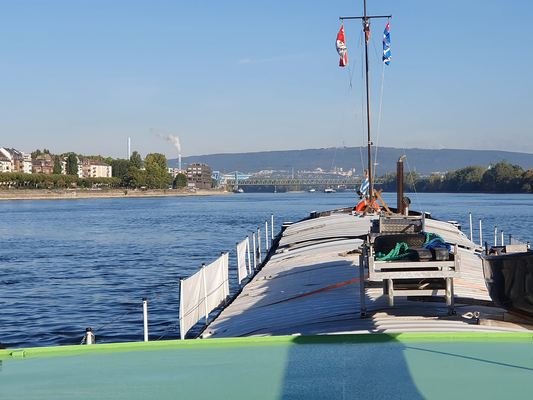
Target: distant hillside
422	160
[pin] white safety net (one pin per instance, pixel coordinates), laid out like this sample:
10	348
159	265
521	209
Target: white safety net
192	297
202	293
217	283
242	250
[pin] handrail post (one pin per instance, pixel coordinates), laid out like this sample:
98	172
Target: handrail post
89	336
480	234
182	334
495	236
266	236
226	277
254	250
502	238
260	258
271	229
145	318
470	218
249	266
205	296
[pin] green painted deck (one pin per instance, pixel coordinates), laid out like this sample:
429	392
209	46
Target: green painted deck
410	366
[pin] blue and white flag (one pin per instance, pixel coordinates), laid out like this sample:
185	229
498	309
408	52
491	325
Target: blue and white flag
364	186
386	45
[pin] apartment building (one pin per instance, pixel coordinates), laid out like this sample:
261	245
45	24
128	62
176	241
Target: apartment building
89	168
12	160
5	163
199	176
17	161
43	164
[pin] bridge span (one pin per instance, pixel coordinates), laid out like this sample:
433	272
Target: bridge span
297	182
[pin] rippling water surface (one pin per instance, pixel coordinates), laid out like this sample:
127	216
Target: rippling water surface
70	264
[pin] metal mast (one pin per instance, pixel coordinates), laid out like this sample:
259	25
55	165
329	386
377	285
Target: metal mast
366	28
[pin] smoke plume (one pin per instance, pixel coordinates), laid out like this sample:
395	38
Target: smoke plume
172	139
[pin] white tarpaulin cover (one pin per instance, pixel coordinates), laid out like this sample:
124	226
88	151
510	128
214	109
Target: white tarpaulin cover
192	307
211	285
242	249
217	282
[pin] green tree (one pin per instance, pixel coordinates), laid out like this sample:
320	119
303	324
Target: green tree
120	167
214	183
181	181
38	152
72	164
135	178
136	160
468	179
410	179
57	165
107	160
527	180
503	177
157	171
434	183
35	153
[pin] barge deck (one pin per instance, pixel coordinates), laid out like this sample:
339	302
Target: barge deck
311	285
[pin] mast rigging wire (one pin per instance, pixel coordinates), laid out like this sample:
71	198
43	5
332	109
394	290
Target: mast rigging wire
379	118
413	182
363	126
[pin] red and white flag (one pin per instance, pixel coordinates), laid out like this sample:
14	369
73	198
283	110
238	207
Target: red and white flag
341	48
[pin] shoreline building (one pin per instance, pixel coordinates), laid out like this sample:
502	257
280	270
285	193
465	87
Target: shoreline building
43	164
199	176
89	168
17	160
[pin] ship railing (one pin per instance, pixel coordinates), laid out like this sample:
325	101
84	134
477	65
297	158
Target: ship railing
516	241
497	236
208	289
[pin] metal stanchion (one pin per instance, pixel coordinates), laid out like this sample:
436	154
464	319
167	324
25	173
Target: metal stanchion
89	336
145	318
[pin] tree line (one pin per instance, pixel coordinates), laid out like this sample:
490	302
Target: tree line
152	172
501	177
49	181
136	173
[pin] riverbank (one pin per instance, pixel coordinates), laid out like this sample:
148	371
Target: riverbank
45	194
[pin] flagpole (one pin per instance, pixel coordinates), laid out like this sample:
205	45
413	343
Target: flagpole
366	28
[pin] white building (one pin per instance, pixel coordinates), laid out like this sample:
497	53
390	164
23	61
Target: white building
89	168
100	169
5	164
18	160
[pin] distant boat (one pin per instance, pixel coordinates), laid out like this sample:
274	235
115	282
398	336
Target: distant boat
312	190
329	190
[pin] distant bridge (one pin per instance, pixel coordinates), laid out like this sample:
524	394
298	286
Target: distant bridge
298	182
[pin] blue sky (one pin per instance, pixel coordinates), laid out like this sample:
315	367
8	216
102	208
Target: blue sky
237	76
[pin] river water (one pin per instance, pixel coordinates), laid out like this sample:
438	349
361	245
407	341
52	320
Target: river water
70	264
